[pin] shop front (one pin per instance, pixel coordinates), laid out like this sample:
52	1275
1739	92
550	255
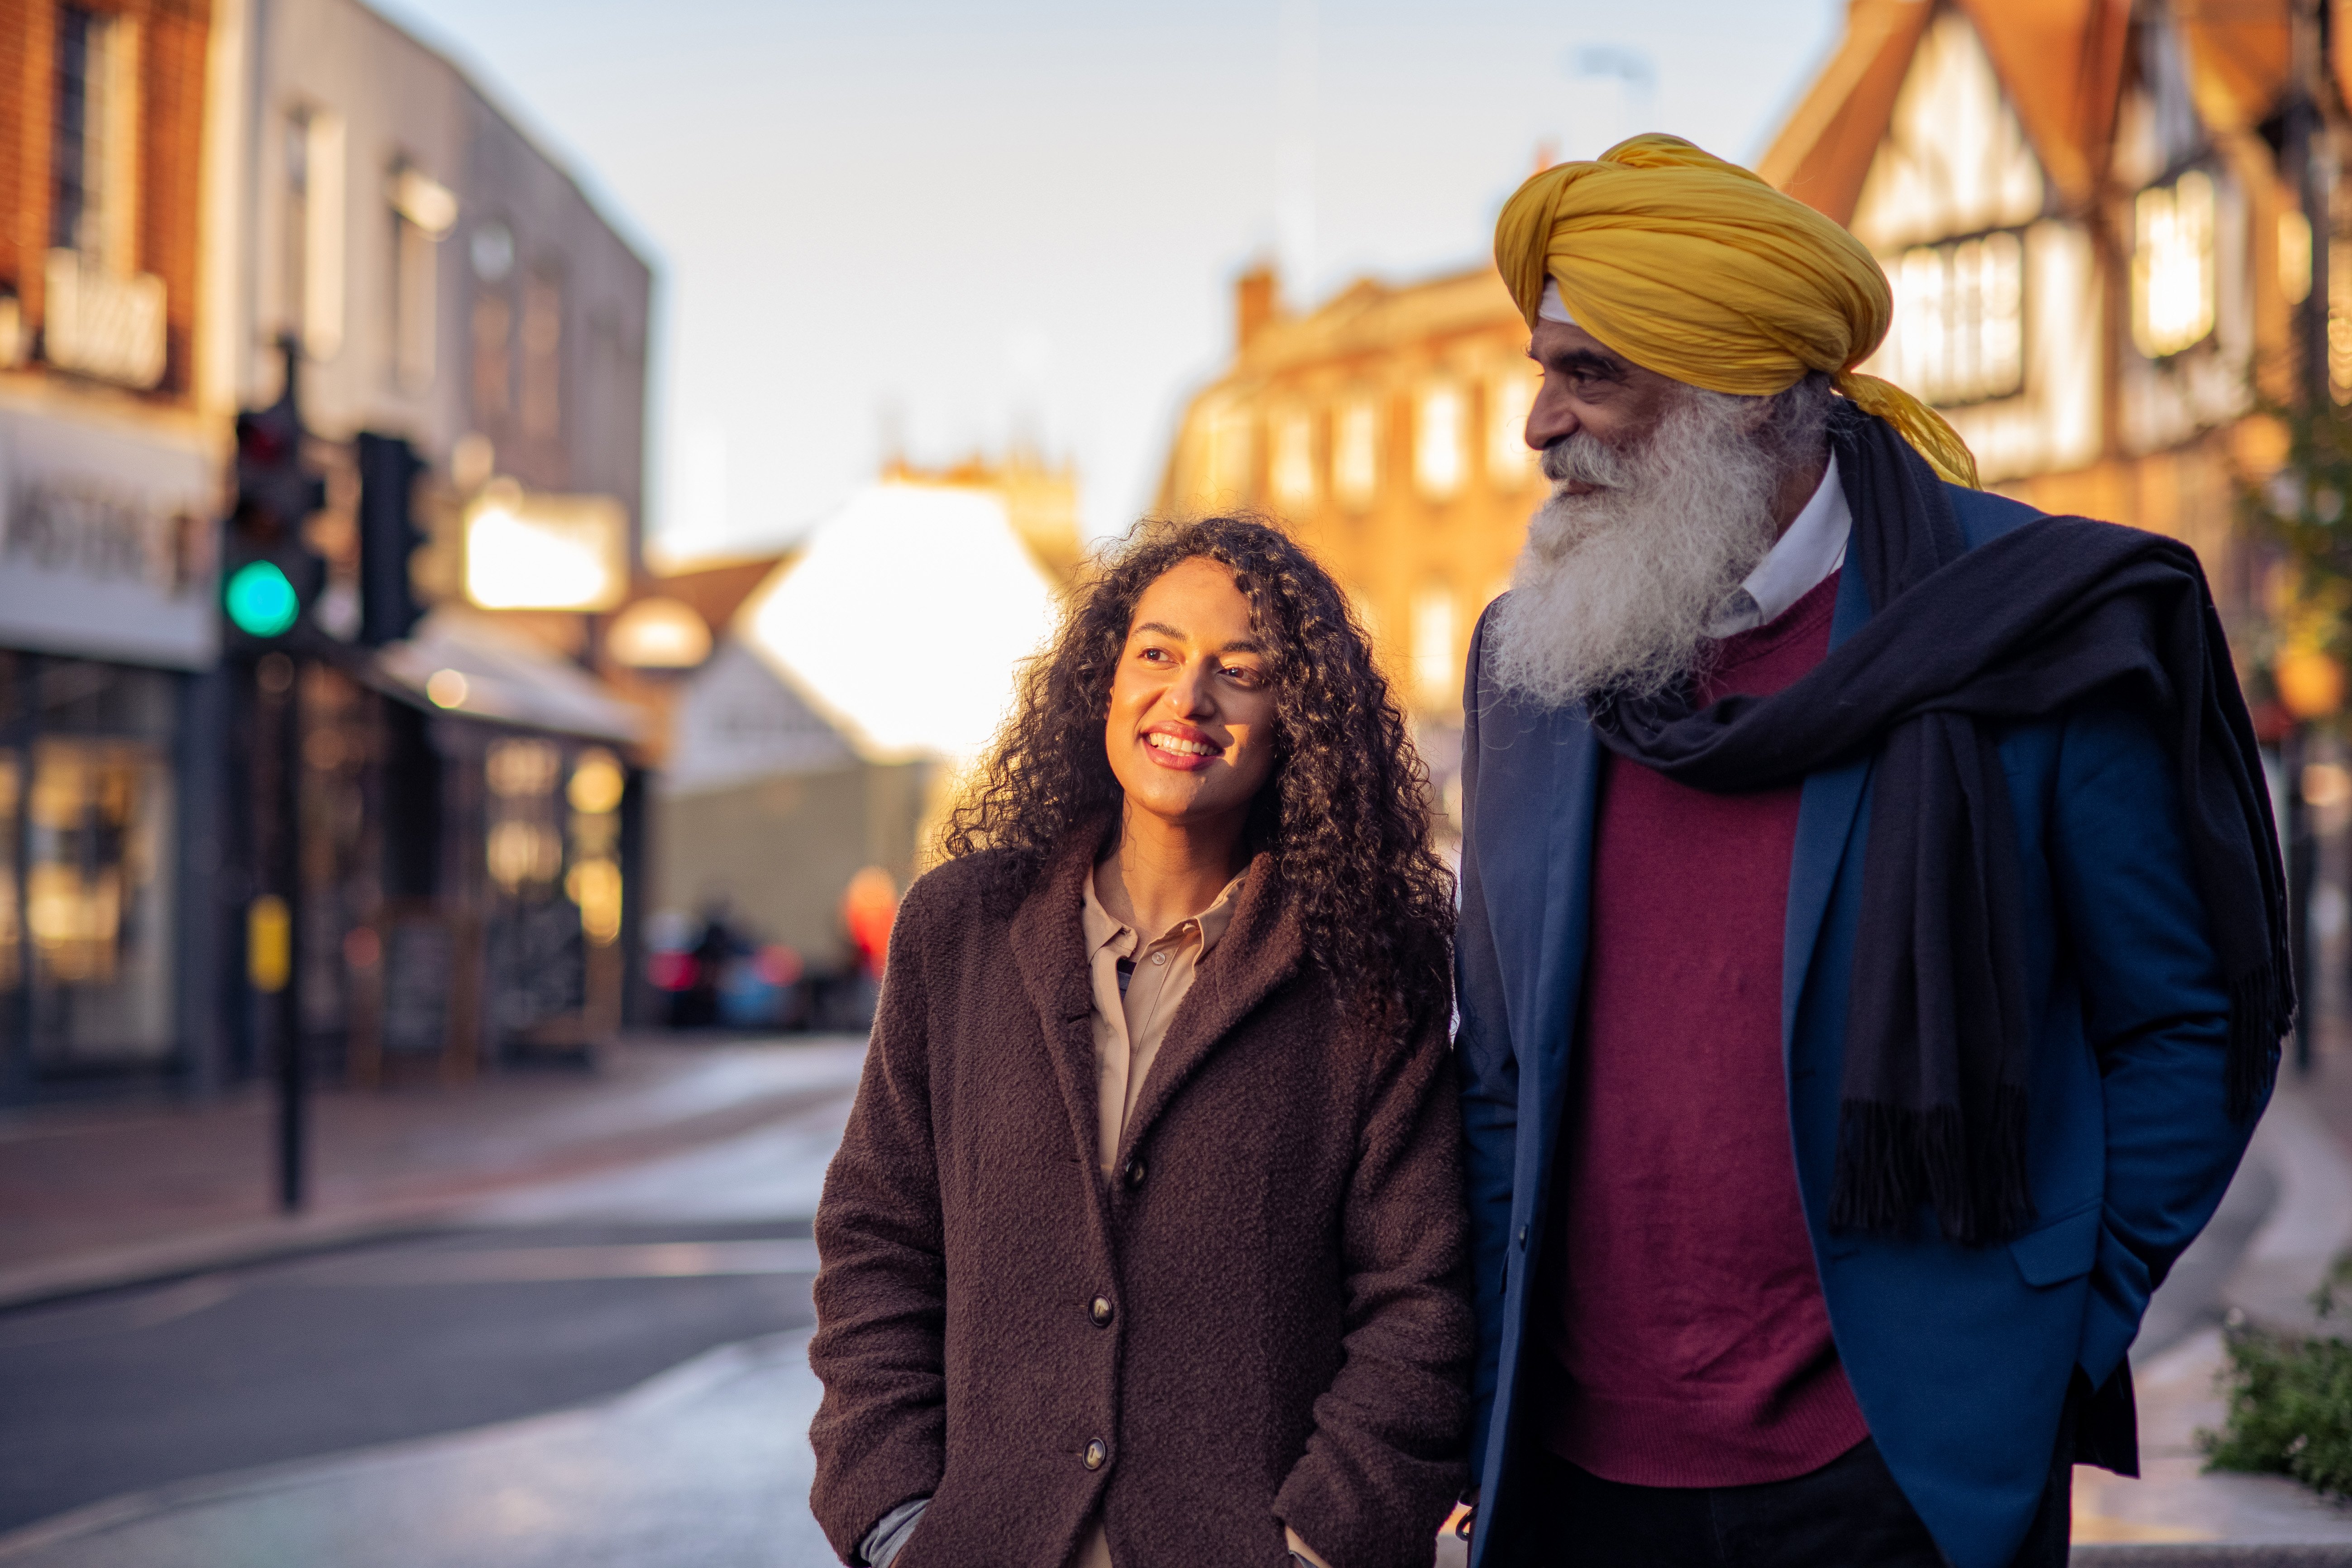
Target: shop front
469	854
107	765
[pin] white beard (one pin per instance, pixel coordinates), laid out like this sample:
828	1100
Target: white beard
1615	588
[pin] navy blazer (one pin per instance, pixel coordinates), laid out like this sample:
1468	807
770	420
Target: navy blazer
1959	1357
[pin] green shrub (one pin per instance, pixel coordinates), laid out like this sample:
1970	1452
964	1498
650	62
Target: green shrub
2290	1404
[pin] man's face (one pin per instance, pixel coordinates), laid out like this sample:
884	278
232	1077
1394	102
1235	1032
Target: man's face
1588	387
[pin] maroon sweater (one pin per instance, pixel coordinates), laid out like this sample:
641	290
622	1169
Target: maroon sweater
1690	1342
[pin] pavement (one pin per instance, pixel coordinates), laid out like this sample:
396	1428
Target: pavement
706	1464
92	1198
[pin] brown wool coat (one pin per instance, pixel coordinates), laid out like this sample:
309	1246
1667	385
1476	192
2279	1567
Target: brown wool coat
1283	1256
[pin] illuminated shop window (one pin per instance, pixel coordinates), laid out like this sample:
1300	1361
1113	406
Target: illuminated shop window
1960	320
2339	319
2173	279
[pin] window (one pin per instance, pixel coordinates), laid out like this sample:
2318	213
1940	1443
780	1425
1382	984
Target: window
2173	272
422	210
87	810
1230	454
1294	459
1356	452
1437	441
492	251
100	316
1960	320
311	232
1510	393
1436	678
543	354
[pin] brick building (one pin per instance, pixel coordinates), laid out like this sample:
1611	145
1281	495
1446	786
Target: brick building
110	482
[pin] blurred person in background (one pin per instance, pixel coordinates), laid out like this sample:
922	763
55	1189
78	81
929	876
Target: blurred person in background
1145	1243
868	906
1872	954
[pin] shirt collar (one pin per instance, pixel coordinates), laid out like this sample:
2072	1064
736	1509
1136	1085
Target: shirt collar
1104	929
1799	560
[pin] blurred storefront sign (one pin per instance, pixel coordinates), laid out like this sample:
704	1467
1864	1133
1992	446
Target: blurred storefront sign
528	551
106	540
101	324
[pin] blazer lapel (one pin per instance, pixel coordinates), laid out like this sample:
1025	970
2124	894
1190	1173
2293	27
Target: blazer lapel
1540	776
1260	950
1825	818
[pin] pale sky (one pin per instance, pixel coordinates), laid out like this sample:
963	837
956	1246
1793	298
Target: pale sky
966	220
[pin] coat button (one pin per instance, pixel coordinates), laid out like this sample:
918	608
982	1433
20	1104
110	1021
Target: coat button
1096	1454
1100	1312
1135	1172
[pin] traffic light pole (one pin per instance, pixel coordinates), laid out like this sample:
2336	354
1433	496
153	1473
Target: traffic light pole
274	926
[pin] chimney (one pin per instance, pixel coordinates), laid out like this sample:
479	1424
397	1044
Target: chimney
1256	302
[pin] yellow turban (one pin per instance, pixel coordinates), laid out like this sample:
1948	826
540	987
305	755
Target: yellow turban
1695	269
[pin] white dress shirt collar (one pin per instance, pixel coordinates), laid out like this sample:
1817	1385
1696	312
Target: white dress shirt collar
1802	558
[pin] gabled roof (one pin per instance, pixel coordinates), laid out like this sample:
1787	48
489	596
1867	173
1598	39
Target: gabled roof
2059	61
2062	61
1823	153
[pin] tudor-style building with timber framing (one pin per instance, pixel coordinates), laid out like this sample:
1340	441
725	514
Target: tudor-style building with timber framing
2089	214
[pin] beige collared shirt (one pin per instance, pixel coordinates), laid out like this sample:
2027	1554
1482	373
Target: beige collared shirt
1131	1018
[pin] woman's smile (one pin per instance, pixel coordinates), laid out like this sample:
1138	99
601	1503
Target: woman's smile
1180	746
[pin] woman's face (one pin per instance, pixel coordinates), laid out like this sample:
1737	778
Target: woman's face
1191	708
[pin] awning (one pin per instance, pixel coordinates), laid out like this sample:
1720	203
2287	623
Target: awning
462	663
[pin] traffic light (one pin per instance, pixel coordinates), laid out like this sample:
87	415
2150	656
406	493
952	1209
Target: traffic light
268	576
388	537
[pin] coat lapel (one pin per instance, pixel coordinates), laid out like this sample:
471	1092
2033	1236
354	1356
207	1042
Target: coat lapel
1825	818
1049	948
1260	950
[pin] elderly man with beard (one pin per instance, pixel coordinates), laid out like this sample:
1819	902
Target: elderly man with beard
1871	949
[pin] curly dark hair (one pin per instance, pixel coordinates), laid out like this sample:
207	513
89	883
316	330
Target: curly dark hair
1346	814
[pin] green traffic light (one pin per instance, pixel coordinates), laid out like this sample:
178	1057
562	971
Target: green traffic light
261	602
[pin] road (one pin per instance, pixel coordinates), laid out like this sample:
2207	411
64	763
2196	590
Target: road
551	1300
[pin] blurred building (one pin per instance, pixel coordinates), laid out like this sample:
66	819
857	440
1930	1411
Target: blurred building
1387	425
110	486
182	186
469	794
2096	221
847	687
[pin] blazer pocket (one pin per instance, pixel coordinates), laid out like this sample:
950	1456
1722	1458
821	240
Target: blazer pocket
2058	1249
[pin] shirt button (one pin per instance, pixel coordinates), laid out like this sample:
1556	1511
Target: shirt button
1100	1312
1523	1236
1159	958
1135	1172
1096	1454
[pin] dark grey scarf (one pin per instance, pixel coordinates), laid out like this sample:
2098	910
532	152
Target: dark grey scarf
1961	642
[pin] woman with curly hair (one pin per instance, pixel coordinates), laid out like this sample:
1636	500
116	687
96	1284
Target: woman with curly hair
1145	1245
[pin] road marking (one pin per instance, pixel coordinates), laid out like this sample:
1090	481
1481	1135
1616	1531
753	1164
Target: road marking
527	1265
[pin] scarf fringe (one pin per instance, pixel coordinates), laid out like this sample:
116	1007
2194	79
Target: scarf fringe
2262	1011
1891	1159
